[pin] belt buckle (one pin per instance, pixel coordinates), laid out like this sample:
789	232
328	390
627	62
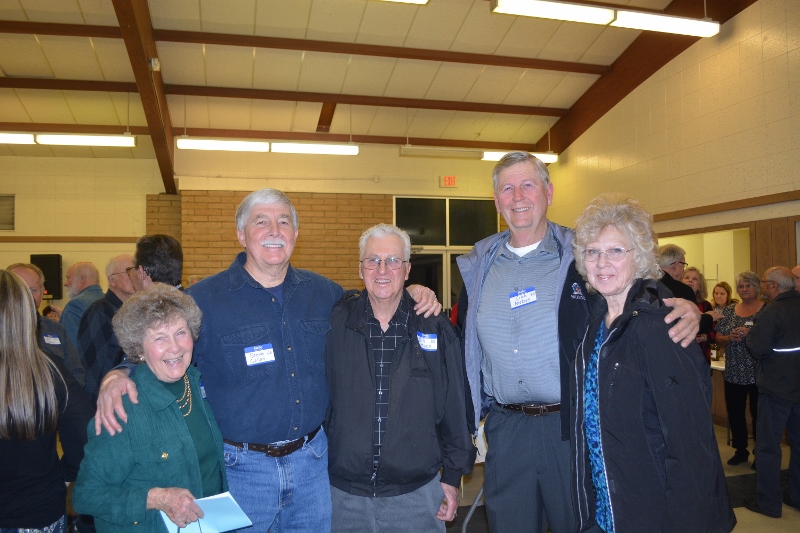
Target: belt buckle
534	410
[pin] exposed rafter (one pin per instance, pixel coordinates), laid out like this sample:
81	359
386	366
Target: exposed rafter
288	96
326	117
137	32
84	129
385	101
80	30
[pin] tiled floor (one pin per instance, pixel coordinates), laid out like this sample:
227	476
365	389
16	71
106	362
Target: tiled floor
747	521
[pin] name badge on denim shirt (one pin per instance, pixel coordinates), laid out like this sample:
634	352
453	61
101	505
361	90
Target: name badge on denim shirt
523	297
51	339
258	355
427	341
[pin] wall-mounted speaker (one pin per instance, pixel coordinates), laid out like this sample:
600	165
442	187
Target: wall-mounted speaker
51	266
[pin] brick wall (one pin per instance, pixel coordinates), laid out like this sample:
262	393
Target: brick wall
330	225
164	215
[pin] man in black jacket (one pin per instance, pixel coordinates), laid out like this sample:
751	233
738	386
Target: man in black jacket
397	415
774	340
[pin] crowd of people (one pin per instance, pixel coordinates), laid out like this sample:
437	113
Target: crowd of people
585	352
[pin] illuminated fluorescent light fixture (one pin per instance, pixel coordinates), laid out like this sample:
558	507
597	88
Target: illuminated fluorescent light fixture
544	157
666	24
87	140
420	2
312	148
554	10
184	143
16	138
606	16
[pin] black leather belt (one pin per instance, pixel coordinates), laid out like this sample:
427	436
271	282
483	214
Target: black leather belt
532	409
272	450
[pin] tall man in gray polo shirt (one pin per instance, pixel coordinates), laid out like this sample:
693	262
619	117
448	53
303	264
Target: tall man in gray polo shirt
527	312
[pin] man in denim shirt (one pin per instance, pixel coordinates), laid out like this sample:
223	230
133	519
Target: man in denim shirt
261	351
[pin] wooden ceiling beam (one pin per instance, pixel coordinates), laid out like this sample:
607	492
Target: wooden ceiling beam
380	101
281	43
648	53
83	129
396	52
326	117
62	30
69	85
137	32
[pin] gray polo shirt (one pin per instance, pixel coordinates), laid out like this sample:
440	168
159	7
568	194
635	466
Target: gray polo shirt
520	340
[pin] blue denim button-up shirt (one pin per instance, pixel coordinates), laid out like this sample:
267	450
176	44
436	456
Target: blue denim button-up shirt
277	400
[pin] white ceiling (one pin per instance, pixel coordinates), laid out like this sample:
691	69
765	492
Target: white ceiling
446	25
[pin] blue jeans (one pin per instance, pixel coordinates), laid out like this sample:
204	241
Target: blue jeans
282	494
59	526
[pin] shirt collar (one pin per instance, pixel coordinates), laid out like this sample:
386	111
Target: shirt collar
547	245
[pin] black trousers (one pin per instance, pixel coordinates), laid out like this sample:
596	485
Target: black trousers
736	402
775	414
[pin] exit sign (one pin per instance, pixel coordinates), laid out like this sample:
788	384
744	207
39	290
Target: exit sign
447	181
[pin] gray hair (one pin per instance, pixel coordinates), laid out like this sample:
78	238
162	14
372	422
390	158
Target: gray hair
31	267
263	197
87	270
669	254
385	230
628	217
512	158
158	305
113	264
782	276
750	277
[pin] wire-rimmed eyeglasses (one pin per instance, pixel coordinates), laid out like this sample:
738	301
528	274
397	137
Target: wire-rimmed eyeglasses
373	263
592	255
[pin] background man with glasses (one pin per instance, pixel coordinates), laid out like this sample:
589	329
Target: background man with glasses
397	413
99	348
527	313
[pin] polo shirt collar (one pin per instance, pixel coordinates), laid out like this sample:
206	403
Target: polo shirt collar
548	245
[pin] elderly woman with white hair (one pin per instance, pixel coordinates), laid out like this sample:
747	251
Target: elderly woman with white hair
644	452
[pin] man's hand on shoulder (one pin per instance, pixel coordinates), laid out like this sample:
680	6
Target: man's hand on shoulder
427	303
686	329
115	384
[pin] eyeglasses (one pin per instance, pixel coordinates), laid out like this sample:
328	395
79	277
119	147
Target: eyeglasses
592	255
373	263
130	269
681	262
118	273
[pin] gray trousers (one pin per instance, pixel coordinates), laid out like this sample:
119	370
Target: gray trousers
527	484
412	512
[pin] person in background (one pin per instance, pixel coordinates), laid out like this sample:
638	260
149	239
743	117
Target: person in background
53	312
796	274
774	341
83	288
51	336
38	398
395	422
171	450
740	367
98	344
157	259
697	281
645	455
723	296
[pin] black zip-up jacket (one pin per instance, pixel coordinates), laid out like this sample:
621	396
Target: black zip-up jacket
774	341
660	454
427	427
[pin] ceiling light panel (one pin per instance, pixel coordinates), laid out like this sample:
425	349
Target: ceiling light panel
666	24
554	10
311	148
186	143
16	138
87	140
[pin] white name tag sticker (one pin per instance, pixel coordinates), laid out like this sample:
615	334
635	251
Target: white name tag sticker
51	339
258	355
427	341
523	297
748	323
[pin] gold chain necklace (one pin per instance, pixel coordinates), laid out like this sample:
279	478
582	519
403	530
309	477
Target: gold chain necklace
186	398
